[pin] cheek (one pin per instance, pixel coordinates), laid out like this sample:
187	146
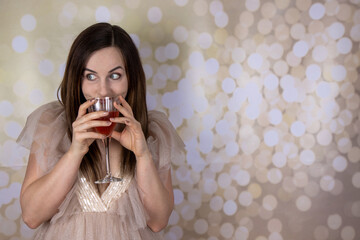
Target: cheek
123	88
86	89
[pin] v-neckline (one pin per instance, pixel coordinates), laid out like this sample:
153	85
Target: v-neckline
92	201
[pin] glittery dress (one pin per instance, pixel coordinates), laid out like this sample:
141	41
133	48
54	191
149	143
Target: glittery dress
118	213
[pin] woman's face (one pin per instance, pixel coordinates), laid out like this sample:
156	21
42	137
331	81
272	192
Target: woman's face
105	74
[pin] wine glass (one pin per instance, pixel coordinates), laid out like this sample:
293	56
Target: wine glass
106	104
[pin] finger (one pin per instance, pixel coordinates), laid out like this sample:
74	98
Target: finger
124	120
116	135
90	135
83	107
123	110
91	124
89	117
125	105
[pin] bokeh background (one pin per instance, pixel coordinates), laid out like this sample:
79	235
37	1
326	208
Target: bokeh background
265	95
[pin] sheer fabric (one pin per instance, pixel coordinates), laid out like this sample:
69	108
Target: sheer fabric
118	213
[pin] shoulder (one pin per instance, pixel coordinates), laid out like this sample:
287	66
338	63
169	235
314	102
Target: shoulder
162	129
164	142
157	116
48	111
54	106
42	122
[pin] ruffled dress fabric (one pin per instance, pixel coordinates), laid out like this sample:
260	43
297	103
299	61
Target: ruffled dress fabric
118	213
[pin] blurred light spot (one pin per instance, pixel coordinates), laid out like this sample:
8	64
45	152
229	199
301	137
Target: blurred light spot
228	85
313	72
154	14
230	208
252	111
300	49
62	70
180	34
327	183
271	81
227	230
297	128
279	159
201	226
4	179
196	59
235	70
221	19
178	196
12	129
334	221
320	53
348	233
206	141
339	163
323	89
307	157
338	73
46	67
19	44
172	51
215	7
274	176
275	116
355	32
102	14
6	108
28	22
324	137
303	203
245	198
36	97
232	149
255	61
252	5
211	66
151	101
336	30
356	179
271	138
344	45
269	202
135	38
317	11
205	40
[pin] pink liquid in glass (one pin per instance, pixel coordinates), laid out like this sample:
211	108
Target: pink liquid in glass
108	129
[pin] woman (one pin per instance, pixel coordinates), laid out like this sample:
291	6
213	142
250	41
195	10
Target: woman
66	155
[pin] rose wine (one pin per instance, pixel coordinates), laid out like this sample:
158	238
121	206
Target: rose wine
107	130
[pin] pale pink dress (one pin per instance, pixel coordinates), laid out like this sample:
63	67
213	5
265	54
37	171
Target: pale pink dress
118	213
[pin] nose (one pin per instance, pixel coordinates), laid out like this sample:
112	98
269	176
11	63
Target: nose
103	88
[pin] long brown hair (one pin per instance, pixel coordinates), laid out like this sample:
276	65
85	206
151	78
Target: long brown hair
94	38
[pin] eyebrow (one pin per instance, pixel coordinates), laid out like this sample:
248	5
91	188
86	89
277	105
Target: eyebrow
87	69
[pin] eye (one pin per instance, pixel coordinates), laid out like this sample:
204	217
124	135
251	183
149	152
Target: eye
115	76
90	77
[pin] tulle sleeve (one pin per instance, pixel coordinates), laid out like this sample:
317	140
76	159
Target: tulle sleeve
164	143
45	135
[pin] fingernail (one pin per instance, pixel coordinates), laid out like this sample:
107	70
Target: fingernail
109	123
112	119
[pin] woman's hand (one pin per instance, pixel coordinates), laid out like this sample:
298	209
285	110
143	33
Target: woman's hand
83	133
132	136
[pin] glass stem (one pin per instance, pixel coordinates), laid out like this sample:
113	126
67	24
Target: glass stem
107	143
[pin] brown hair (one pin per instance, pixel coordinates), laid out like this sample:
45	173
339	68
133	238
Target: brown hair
94	38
